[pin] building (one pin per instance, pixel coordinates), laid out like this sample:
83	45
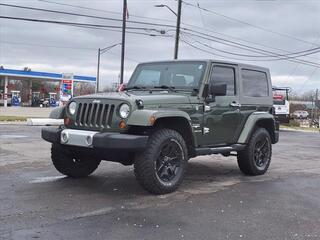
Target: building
30	84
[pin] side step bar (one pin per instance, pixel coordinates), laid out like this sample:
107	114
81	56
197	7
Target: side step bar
217	150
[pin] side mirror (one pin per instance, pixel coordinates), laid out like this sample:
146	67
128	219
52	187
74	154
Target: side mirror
218	90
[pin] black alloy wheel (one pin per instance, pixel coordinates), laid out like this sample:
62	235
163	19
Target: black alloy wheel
161	167
256	157
169	160
262	152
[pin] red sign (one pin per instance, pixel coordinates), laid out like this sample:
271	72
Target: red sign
278	97
64	81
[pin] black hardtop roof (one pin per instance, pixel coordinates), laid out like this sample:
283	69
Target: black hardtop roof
242	65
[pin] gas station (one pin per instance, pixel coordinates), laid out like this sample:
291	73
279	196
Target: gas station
29	88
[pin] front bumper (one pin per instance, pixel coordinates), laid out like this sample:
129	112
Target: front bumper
90	139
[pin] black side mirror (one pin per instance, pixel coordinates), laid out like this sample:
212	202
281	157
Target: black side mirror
218	90
211	91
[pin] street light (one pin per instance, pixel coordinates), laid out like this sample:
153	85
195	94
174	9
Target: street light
100	52
164	5
176	46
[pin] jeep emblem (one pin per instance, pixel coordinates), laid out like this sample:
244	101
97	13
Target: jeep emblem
96	101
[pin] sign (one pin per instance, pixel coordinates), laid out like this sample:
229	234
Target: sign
278	97
66	88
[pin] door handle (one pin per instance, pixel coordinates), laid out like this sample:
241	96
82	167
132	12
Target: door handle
235	104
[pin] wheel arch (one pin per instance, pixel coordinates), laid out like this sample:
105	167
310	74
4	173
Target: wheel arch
262	120
182	126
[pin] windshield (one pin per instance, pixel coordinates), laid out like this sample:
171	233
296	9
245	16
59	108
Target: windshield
175	75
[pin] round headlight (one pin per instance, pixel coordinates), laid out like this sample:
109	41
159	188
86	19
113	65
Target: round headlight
72	108
124	110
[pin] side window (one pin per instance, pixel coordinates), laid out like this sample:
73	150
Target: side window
255	83
224	75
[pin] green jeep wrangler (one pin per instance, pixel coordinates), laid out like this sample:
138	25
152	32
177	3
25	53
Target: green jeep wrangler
169	112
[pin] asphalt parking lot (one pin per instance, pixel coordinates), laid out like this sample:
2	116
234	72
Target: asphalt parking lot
214	202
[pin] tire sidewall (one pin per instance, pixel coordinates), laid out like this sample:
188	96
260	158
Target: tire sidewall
145	162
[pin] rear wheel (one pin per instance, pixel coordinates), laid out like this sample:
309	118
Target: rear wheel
70	164
256	158
161	167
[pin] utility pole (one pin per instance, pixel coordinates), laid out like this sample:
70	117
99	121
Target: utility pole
176	46
124	18
316	106
98	71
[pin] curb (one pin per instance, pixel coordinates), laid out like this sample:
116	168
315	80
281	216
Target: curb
44	122
300	130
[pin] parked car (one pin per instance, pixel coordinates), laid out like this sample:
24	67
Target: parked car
170	112
300	114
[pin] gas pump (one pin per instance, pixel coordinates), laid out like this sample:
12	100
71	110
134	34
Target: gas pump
35	99
15	99
52	99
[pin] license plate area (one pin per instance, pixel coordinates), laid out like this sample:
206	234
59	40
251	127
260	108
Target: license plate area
79	138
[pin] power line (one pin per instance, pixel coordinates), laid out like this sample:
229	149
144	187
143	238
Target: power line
95	26
299	54
233	58
83	15
246	47
166	20
86	15
106	11
248	24
78	24
113	19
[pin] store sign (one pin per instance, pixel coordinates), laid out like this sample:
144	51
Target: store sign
66	87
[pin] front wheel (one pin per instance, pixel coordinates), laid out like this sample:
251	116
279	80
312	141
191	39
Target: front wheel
161	167
70	164
256	158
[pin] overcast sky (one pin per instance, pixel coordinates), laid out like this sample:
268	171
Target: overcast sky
59	48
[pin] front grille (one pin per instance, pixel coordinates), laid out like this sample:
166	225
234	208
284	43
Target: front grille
95	115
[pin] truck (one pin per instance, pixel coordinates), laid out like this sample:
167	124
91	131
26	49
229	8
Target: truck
168	113
281	104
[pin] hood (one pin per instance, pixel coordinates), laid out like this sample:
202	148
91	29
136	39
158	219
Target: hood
154	98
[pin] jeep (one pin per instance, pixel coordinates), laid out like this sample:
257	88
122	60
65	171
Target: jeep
169	112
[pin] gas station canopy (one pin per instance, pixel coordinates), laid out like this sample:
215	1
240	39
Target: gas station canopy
42	75
25	85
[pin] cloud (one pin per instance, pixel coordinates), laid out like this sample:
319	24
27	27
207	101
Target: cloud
48	47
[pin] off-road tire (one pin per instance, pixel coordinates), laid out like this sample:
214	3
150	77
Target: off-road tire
145	165
70	165
246	158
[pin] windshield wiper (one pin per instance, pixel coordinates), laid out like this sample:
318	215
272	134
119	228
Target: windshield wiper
135	87
166	87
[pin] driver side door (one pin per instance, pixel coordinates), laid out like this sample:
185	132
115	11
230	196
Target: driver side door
222	116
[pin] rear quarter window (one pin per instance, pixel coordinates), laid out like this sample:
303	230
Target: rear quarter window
255	83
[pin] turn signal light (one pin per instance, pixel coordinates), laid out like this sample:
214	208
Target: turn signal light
122	125
152	120
67	121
